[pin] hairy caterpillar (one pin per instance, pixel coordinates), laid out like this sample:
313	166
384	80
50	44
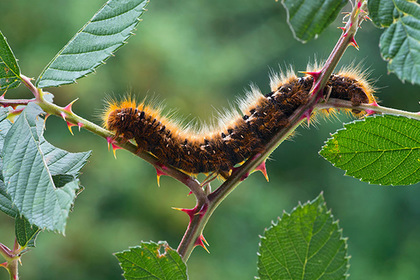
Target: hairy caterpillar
240	135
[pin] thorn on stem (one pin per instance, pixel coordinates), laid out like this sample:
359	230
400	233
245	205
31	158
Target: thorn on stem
69	126
314	74
189	212
159	173
200	242
262	168
111	141
354	43
68	108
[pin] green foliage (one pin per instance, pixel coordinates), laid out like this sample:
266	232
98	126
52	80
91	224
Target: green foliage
9	69
107	31
400	43
25	232
64	167
6	204
152	261
381	150
306	244
380	11
307	19
31	166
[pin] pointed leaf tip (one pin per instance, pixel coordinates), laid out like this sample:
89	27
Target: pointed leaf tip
305	244
381	150
99	38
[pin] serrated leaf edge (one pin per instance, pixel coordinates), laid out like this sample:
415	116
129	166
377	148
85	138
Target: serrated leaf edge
102	62
300	206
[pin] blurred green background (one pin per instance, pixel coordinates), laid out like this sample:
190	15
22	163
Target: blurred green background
199	56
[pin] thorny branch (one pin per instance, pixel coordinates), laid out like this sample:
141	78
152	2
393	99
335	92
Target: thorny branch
207	201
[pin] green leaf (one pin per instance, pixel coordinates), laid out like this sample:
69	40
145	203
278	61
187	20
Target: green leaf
380	11
308	18
30	165
107	31
9	69
6	204
382	150
306	244
400	42
152	261
25	232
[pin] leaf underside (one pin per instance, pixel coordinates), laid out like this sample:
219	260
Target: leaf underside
31	168
107	31
309	18
382	150
306	244
152	261
400	42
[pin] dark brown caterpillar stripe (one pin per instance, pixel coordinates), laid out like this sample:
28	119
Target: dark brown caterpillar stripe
239	136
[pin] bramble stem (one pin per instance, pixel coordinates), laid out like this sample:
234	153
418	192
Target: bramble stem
377	109
196	226
72	118
12	258
206	203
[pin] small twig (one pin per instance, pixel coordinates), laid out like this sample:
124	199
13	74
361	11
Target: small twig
12	258
370	108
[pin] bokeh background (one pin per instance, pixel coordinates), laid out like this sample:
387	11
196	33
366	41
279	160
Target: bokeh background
198	57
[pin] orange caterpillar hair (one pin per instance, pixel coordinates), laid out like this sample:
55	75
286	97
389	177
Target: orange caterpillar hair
240	135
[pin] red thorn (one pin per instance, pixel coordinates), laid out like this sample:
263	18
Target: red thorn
371	112
199	242
112	141
359	4
307	116
190	193
263	169
314	74
69	126
159	173
63	115
80	125
342	28
354	43
204	240
4	265
114	148
68	107
190	212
